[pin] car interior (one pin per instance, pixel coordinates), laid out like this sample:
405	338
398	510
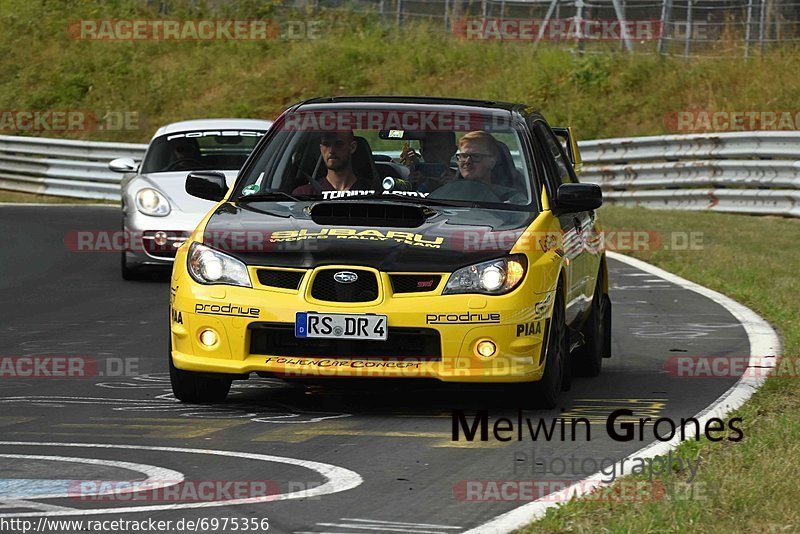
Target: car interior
306	164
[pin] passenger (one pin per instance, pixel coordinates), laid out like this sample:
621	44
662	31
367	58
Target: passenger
336	149
477	156
437	148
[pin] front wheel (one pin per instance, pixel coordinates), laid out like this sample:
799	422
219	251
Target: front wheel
128	271
555	377
196	388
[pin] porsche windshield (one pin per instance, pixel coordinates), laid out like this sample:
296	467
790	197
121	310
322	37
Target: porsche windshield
218	150
456	166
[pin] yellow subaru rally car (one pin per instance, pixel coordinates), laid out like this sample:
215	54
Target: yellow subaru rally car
400	237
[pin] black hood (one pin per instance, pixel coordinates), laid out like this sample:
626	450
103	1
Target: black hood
439	239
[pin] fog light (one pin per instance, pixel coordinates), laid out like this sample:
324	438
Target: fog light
161	238
208	338
486	348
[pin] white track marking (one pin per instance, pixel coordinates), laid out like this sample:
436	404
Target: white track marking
19	503
379	528
384	526
399	523
764	344
338	479
157	477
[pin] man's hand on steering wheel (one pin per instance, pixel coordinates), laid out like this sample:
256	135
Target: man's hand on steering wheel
184	162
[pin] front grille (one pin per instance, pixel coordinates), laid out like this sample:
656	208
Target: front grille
168	250
280	278
365	289
277	339
414	283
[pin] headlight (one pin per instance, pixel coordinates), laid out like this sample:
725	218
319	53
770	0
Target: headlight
209	266
151	202
493	277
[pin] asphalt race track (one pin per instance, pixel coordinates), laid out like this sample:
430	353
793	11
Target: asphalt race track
370	458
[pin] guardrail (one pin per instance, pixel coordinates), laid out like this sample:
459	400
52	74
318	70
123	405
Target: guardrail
741	172
62	167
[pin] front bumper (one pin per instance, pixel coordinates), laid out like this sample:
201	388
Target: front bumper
140	228
517	323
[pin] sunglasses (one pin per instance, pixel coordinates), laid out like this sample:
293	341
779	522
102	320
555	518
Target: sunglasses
474	156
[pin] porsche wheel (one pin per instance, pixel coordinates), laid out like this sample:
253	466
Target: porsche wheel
128	271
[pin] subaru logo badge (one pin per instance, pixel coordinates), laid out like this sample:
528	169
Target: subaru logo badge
345	277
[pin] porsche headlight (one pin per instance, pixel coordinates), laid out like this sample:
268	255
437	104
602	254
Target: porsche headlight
209	266
493	277
151	202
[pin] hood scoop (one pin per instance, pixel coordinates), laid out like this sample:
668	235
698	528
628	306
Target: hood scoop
375	214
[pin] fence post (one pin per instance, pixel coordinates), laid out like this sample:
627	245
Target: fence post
762	20
747	28
399	13
688	37
666	11
621	18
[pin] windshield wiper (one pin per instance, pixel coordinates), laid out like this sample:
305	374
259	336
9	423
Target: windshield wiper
266	195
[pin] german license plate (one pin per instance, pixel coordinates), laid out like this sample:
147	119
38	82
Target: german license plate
340	326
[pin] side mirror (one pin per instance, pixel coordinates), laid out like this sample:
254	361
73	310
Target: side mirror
209	185
123	165
572	198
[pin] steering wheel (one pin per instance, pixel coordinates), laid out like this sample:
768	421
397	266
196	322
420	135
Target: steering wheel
183	162
467	190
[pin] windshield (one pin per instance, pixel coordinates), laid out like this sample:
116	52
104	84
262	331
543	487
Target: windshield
218	150
319	159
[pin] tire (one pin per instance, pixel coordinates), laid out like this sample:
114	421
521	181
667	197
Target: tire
588	359
127	270
556	375
196	388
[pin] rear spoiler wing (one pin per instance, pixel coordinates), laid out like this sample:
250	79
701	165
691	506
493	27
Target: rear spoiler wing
570	144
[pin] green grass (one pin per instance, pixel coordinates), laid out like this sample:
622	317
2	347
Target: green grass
752	485
600	95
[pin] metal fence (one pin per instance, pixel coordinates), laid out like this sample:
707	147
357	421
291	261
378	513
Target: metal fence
61	167
684	27
741	172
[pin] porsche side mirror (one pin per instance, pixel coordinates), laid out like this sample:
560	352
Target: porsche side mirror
209	185
123	165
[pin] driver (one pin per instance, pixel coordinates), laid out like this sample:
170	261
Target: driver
185	154
336	149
